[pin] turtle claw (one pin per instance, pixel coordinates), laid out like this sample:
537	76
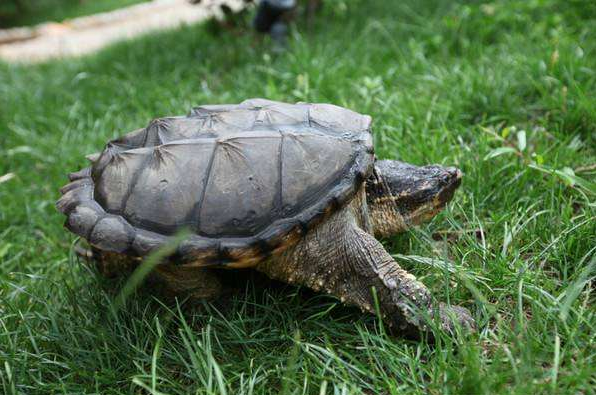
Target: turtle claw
453	317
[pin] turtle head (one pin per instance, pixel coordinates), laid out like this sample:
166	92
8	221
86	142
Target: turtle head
400	195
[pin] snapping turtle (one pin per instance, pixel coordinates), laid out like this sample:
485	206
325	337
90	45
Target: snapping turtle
291	190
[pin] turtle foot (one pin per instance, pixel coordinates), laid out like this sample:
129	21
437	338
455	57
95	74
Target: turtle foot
454	317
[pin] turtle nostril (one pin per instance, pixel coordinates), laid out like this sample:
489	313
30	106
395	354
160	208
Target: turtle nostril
454	172
451	176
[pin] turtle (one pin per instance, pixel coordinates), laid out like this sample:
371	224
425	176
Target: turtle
293	191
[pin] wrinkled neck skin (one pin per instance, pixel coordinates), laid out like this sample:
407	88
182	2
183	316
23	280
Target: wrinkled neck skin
385	218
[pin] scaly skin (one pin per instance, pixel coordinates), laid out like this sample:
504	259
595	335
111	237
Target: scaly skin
342	258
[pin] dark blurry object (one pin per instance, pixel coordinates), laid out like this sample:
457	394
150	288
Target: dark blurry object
272	17
272	12
279	33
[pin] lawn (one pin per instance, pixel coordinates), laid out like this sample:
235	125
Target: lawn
504	90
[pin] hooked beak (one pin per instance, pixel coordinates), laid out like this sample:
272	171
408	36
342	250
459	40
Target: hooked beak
450	182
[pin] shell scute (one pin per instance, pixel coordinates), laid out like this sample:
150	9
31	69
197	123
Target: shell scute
146	242
112	233
84	217
83	173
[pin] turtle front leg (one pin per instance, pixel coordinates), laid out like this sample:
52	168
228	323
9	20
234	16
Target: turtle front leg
404	301
342	259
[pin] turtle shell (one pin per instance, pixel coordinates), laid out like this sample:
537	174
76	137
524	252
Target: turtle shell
246	180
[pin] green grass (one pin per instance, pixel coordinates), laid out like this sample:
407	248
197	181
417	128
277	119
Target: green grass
33	12
504	90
